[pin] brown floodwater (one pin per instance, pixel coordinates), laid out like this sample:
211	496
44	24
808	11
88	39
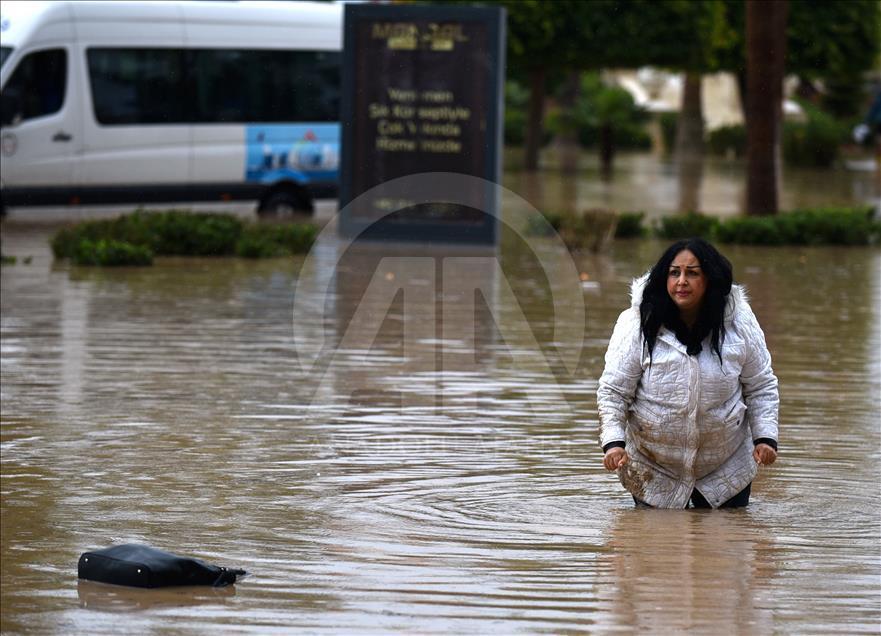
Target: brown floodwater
656	186
419	461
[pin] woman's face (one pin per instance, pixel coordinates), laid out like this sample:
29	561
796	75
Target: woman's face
686	283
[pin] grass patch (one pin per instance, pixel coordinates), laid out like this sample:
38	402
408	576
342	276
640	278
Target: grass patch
127	240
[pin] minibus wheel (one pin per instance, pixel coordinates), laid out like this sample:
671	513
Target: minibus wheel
287	203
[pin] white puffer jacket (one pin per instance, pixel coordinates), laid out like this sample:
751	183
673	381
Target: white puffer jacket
687	421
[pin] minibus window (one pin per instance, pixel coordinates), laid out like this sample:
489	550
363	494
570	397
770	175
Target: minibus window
137	86
4	54
36	88
290	85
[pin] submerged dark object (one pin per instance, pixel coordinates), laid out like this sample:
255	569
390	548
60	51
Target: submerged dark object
142	566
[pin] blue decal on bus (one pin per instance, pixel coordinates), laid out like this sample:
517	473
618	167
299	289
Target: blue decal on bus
304	153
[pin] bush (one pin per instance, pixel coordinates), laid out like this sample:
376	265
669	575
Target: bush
184	234
516	105
686	226
626	137
630	225
599	105
728	140
108	252
669	122
543	223
815	142
824	226
179	233
269	241
591	229
173	232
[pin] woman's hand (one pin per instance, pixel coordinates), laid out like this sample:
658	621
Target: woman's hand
764	455
615	457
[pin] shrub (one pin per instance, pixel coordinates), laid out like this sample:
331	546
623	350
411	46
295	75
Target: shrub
7	260
173	232
630	225
601	105
108	252
668	122
814	142
544	223
516	105
180	233
271	240
592	229
256	245
823	226
728	140
750	230
686	226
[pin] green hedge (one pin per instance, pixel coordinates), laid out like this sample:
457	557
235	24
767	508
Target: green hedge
826	226
686	226
630	225
820	226
109	252
127	240
268	241
175	232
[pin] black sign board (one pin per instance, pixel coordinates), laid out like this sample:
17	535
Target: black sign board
422	93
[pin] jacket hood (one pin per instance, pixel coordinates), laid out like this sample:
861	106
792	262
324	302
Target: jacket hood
737	298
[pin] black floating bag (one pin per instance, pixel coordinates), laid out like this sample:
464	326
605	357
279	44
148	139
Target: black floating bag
143	566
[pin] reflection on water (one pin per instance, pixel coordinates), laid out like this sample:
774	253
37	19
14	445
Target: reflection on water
691	572
427	471
657	186
110	598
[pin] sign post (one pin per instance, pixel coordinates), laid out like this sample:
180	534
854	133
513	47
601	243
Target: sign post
422	92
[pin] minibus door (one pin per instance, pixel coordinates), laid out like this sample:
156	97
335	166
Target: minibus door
40	126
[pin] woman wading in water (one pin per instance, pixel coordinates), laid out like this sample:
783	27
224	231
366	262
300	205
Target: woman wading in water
688	400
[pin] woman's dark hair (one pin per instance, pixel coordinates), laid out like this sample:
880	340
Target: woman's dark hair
657	308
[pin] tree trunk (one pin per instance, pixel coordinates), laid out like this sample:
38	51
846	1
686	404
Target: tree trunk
535	118
607	149
690	144
567	137
740	75
765	63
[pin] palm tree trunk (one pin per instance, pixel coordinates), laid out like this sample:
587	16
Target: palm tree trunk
567	137
765	63
690	144
535	118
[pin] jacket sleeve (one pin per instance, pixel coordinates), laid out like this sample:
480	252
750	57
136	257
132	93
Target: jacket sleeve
758	381
621	376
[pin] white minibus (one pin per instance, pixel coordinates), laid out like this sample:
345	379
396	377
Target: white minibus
149	102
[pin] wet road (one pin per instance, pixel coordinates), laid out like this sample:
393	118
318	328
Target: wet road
434	471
